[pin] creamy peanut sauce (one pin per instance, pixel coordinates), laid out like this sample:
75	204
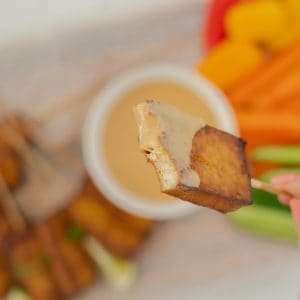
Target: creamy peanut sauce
124	158
165	125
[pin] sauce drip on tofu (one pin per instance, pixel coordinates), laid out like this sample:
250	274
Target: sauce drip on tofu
163	124
127	164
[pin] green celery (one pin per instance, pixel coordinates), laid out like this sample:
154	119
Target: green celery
288	155
278	171
266	199
266	221
120	272
17	293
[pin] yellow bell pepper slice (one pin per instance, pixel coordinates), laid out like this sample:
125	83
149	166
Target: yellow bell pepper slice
229	61
257	21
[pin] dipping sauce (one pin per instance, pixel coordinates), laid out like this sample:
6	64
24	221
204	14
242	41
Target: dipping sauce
121	149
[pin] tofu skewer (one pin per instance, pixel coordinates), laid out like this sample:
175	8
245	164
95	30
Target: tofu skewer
194	161
41	170
14	216
43	260
188	154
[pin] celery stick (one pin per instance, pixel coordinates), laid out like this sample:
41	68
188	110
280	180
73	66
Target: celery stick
17	293
120	272
289	155
266	221
264	198
267	176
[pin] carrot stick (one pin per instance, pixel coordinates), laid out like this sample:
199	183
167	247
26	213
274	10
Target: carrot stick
265	75
281	91
258	168
273	128
287	105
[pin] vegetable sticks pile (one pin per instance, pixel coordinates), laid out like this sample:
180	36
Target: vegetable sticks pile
267	101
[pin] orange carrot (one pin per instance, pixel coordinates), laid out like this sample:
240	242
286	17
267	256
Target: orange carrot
281	90
289	104
258	168
272	128
293	105
265	76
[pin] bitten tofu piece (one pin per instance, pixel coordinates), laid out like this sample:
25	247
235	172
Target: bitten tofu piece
194	161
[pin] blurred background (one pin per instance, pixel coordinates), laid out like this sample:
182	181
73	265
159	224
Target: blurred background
55	57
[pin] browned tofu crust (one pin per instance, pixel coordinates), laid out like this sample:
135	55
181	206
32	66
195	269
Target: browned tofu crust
119	232
115	235
138	224
220	161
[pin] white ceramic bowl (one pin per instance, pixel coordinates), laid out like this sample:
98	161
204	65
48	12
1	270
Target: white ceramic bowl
94	124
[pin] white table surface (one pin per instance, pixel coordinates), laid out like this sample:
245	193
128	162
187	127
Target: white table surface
37	19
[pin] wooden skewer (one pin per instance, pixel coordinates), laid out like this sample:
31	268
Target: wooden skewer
19	143
257	184
69	159
31	155
41	169
16	143
13	214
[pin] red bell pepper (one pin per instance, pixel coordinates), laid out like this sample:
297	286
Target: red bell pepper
214	25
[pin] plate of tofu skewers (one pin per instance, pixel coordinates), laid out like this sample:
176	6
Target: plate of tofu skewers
52	248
